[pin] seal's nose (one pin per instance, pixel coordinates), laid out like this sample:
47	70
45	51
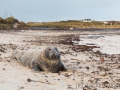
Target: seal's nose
53	56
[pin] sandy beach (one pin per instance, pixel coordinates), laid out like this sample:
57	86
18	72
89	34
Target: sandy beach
93	61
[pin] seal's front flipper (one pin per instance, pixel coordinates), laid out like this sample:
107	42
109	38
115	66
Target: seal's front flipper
34	66
62	68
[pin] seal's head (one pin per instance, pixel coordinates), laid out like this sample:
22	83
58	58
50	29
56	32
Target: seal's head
52	53
50	60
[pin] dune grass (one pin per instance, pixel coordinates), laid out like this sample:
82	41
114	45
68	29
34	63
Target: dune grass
75	24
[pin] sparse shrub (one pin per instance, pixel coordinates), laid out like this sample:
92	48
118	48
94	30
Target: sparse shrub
8	23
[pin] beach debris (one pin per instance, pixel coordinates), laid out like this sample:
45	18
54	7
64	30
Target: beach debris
102	59
87	68
7	61
30	80
3	69
69	87
21	88
86	87
105	84
82	48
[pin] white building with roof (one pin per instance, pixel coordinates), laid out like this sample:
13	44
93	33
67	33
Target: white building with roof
87	20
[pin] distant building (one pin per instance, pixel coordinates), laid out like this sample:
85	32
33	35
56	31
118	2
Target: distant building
87	20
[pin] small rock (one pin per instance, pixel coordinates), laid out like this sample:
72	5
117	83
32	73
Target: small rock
29	80
3	69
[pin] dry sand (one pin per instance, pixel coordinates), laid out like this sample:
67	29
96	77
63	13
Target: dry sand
86	69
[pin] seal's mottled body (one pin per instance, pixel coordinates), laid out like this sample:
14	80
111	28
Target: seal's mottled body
46	60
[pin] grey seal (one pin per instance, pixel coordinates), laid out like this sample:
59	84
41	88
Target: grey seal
46	60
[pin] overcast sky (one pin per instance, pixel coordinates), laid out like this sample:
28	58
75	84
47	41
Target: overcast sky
57	10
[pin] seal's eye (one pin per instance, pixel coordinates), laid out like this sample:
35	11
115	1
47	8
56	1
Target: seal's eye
49	49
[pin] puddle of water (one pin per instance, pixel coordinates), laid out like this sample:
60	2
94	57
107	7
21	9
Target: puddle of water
108	44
